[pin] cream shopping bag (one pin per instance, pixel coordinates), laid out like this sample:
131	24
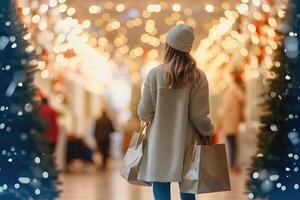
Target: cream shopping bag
133	156
205	169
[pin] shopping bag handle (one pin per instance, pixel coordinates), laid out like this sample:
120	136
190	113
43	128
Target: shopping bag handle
143	127
143	132
202	140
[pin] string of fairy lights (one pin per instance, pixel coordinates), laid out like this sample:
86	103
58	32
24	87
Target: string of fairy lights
63	45
244	38
60	37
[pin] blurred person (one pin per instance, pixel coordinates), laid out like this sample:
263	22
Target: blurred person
175	101
231	115
49	115
103	128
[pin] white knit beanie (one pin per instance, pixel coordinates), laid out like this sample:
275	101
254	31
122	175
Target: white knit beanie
181	37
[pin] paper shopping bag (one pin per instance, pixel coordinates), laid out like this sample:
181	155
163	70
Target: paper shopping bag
133	157
211	163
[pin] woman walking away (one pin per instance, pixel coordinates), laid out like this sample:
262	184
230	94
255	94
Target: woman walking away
231	115
175	100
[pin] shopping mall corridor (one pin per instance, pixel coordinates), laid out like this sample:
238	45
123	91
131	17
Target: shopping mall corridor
92	185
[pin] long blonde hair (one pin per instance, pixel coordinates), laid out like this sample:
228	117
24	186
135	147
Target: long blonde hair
181	69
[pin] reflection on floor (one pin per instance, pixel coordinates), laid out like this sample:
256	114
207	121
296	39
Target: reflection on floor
92	185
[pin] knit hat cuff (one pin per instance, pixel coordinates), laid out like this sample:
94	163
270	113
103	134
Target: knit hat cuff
178	45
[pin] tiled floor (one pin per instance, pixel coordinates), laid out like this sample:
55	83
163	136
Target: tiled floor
92	185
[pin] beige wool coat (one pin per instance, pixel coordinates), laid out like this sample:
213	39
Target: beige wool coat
176	115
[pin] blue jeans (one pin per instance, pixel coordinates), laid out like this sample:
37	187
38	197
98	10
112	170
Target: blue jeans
232	142
161	191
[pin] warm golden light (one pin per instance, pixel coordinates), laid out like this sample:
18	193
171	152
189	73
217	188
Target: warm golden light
266	8
44	8
251	28
209	8
120	7
52	3
137	22
272	22
102	41
255	39
281	13
176	7
94	9
153	54
154	8
86	23
256	2
36	19
245	32
45	74
27	36
63	8
146	14
71	11
242	9
43	25
257	15
25	11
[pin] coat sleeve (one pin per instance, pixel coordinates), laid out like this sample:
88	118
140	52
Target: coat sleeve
145	107
199	109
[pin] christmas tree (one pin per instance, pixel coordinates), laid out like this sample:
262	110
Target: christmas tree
26	169
274	174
